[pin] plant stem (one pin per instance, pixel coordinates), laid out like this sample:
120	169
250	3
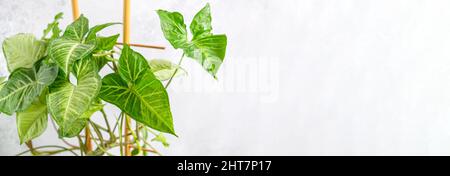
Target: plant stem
62	139
112	137
30	146
49	146
103	54
175	72
82	146
136	138
97	131
120	134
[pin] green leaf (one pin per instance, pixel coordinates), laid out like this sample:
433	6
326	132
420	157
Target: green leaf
53	27
92	34
32	122
173	27
138	93
22	51
65	52
208	51
80	123
206	48
132	65
2	79
23	86
101	61
77	30
201	23
161	138
67	102
164	69
106	43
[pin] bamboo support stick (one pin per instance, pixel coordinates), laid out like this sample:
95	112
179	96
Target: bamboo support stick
126	40
144	46
75	10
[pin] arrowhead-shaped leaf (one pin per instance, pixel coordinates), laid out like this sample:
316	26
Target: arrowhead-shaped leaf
24	85
208	51
32	122
206	48
67	102
164	69
106	43
173	27
92	34
201	23
65	52
22	51
132	65
77	30
138	93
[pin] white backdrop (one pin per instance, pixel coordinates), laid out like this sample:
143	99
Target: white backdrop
301	77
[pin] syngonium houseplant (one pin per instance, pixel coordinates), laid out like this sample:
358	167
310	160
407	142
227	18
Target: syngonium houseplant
57	76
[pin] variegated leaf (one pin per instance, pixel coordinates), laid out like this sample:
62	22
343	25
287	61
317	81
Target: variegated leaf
77	30
32	122
22	51
65	52
23	86
67	102
138	93
164	69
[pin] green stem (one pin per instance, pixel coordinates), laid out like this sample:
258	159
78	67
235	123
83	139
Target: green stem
120	135
82	146
97	131
103	54
136	138
175	72
50	146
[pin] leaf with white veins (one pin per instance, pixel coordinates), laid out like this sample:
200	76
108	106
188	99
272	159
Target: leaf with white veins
67	102
23	86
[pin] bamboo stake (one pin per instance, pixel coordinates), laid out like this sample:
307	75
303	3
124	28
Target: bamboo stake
144	46
76	14
126	40
75	10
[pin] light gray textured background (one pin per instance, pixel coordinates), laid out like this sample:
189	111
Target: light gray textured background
301	77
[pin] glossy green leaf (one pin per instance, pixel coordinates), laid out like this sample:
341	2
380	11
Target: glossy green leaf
92	34
132	65
208	51
2	79
79	124
32	122
161	138
106	43
23	86
206	48
201	23
138	93
164	69
65	52
173	27
53	27
22	51
77	30
67	102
